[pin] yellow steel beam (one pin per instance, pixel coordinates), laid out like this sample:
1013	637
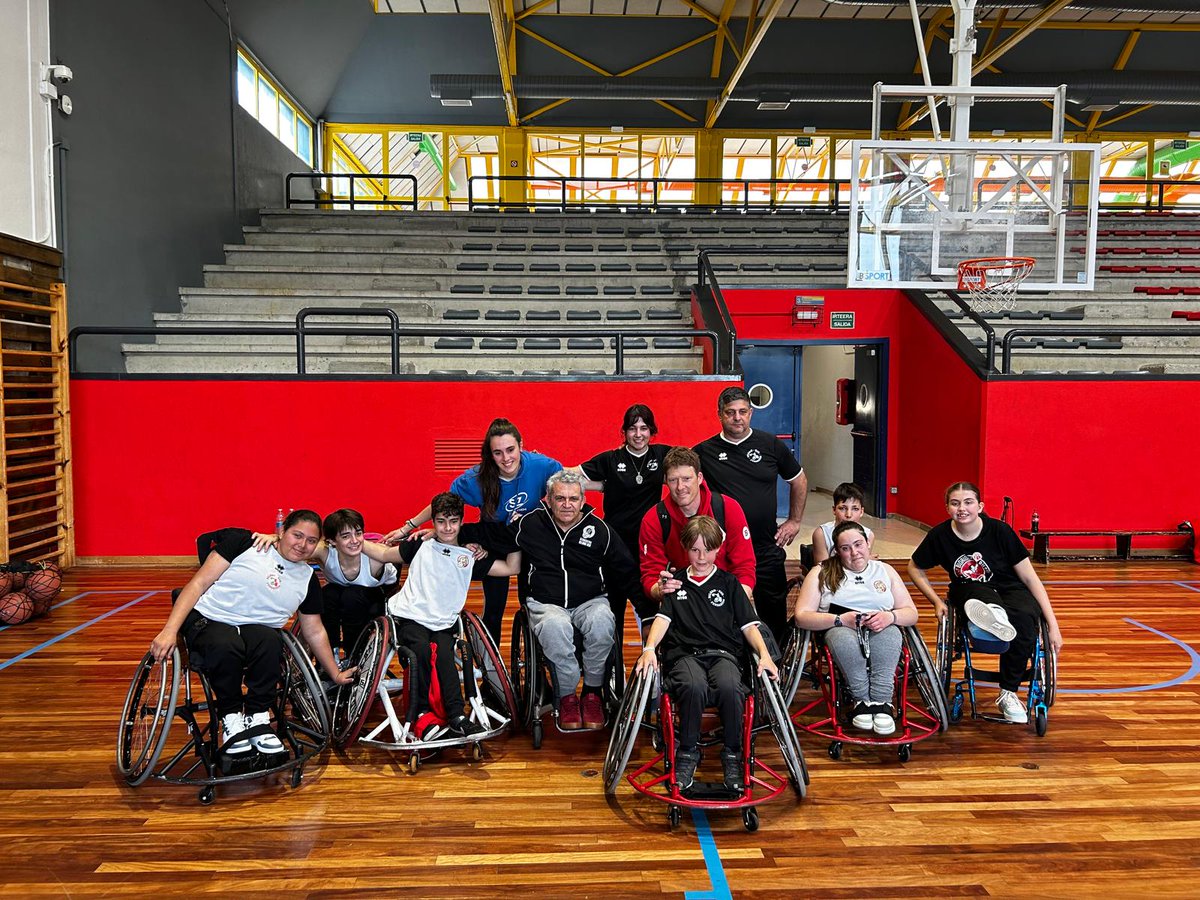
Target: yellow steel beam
719	45
530	10
1119	65
501	38
1132	112
744	62
721	21
994	35
1026	29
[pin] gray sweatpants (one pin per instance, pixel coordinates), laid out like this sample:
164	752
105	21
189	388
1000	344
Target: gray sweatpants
555	630
885	654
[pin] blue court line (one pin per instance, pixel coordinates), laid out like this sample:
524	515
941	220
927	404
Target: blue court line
712	861
66	634
1184	584
1191	673
72	600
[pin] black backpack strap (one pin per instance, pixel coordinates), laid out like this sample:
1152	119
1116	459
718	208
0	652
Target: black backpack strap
664	519
718	509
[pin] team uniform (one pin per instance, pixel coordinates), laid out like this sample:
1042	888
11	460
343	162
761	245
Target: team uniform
747	471
735	556
425	611
985	569
632	484
349	603
234	626
864	592
569	576
518	495
702	651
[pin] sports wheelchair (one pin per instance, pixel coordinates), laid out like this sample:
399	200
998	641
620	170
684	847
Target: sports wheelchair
765	710
913	722
535	681
955	642
379	707
178	687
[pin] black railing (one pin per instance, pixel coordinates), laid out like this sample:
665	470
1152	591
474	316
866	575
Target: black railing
301	330
325	199
1155	191
1115	331
648	193
989	333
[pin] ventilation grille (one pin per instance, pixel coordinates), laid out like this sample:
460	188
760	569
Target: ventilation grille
455	455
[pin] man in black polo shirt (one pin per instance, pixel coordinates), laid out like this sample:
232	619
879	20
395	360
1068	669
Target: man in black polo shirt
744	463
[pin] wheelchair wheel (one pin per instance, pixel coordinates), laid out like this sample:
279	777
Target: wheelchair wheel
1048	670
674	816
626	724
944	659
795	658
303	692
525	670
785	735
146	716
354	700
922	672
496	681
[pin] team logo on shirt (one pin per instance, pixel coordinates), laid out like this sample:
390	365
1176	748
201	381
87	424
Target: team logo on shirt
722	456
972	568
517	502
620	467
274	581
463	561
589	532
652	466
716	597
754	456
880	587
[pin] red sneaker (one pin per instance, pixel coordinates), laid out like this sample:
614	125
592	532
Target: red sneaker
593	711
568	713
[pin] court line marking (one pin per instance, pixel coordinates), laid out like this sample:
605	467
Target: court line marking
70	631
712	862
1191	673
73	599
1184	584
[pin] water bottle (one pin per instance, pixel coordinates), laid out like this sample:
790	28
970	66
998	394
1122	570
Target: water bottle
1033	522
279	522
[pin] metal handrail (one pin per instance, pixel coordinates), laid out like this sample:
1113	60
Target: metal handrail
1052	331
989	333
303	316
387	199
1151	187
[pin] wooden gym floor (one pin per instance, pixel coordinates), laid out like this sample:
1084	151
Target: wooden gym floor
1107	803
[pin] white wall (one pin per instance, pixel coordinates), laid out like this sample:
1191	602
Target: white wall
826	448
26	195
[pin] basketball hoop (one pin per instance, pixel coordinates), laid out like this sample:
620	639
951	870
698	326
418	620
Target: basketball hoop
992	281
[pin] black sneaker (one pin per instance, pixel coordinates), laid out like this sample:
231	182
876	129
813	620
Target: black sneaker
461	726
686	762
731	765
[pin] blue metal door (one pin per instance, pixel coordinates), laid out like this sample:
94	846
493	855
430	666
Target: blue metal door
772	373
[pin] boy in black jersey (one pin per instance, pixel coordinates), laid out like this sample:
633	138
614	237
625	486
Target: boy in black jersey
706	619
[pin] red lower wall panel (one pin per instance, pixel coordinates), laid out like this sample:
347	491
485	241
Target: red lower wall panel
157	462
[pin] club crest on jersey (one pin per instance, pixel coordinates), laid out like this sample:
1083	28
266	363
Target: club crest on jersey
620	467
517	502
589	532
880	587
652	466
274	581
754	456
972	568
463	561
716	597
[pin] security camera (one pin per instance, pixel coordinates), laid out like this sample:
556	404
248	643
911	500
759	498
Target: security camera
60	73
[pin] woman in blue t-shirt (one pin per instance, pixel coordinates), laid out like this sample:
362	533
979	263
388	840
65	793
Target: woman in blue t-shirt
508	482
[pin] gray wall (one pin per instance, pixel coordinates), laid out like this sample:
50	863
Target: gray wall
151	187
826	447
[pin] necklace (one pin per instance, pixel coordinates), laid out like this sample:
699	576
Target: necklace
636	468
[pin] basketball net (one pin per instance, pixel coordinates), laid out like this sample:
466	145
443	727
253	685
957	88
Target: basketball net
992	282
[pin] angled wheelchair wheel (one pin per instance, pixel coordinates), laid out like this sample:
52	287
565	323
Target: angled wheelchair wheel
795	658
525	671
303	695
925	676
785	735
354	700
146	716
1048	666
626	724
496	681
944	655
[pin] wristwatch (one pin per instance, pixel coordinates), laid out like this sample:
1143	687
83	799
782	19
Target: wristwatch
837	621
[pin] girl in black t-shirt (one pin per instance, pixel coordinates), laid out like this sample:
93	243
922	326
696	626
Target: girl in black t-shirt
708	616
987	562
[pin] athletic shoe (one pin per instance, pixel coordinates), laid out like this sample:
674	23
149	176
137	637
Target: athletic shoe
264	743
991	617
686	762
731	766
233	724
593	710
569	717
1012	707
882	721
428	728
461	726
863	717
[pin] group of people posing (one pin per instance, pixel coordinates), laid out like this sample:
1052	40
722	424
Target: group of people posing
702	567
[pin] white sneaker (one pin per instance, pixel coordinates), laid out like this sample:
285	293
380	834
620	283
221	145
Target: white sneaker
883	722
264	743
991	617
233	724
863	718
1012	707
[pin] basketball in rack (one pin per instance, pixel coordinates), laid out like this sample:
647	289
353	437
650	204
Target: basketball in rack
992	281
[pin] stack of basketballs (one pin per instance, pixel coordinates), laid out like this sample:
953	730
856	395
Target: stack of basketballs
27	590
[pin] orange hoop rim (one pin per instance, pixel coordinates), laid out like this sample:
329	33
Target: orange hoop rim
985	265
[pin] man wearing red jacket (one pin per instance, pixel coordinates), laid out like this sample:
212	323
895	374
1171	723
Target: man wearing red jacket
687	496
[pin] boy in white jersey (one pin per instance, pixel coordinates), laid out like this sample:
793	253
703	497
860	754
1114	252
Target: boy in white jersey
426	610
849	504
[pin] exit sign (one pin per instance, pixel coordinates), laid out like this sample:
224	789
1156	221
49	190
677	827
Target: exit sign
1179	145
415	137
841	320
803	142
